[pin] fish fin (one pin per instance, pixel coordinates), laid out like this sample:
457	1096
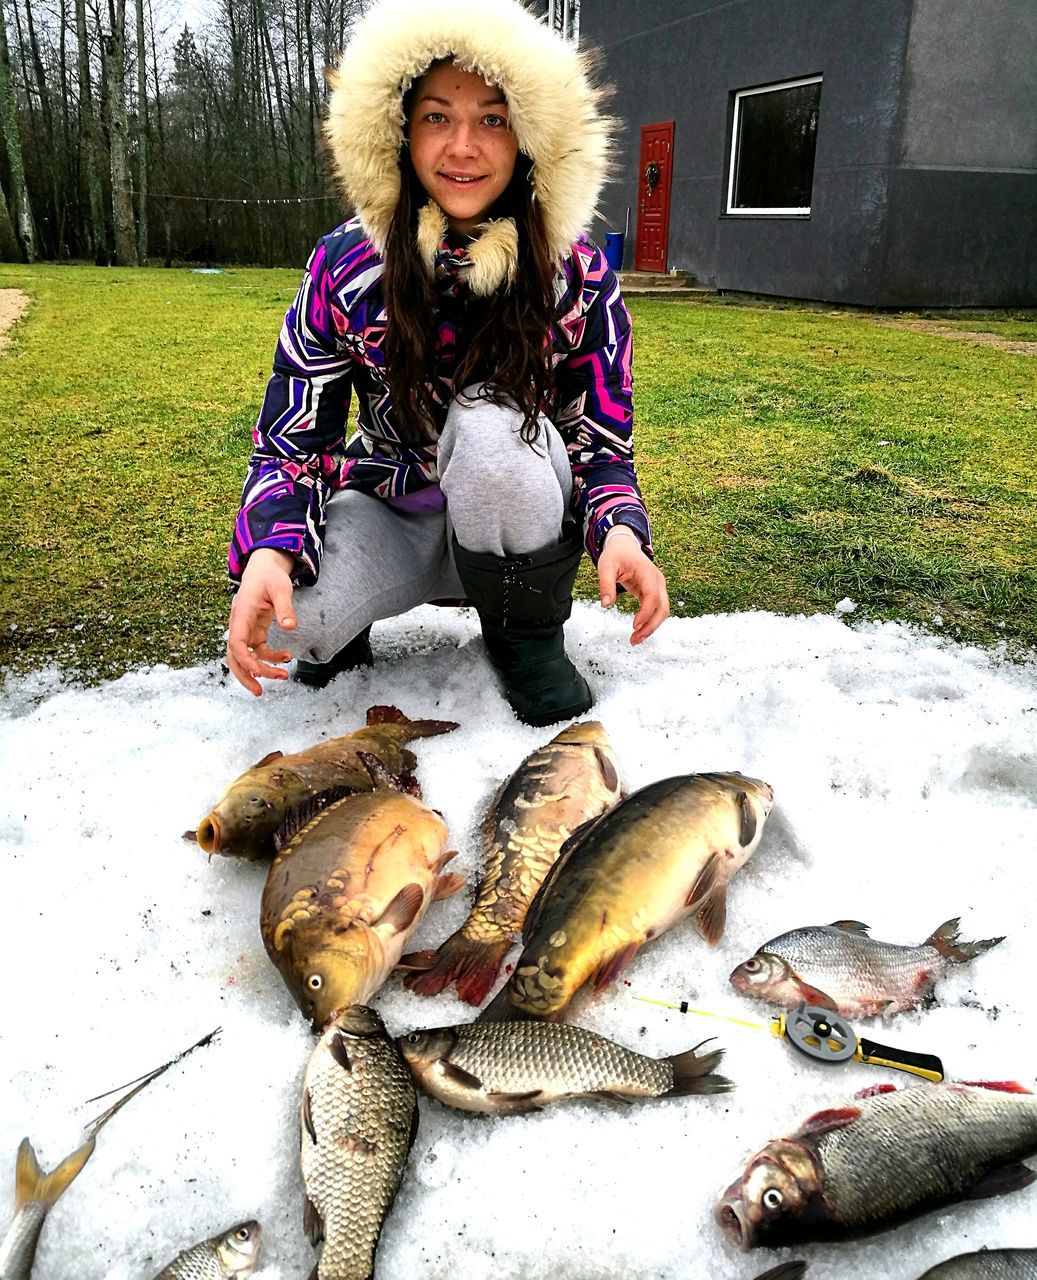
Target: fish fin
850	926
873	1090
747	819
446	886
815	996
711	919
459	1076
269	758
999	1086
338	1047
417	961
1002	1181
613	965
608	770
500	1009
517	1101
190	837
33	1186
785	1271
826	1122
297	818
401	913
473	965
312	1222
306	1115
382	777
385	715
705	881
693	1073
946	941
413	1135
611	1096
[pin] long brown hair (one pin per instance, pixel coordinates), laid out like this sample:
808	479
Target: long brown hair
506	334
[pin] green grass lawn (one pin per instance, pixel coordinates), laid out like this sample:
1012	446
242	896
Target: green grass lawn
789	456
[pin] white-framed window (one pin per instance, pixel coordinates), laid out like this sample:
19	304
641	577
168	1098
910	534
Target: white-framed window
563	17
773	139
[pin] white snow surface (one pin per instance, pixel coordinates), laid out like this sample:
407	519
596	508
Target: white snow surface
905	775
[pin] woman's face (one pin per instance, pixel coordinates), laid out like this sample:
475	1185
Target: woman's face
460	145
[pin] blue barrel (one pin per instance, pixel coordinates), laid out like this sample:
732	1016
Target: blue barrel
614	249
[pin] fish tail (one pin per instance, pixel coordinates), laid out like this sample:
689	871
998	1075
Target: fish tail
414	728
500	1009
471	964
946	941
693	1073
33	1186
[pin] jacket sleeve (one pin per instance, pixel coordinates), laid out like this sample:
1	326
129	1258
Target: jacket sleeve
299	438
594	402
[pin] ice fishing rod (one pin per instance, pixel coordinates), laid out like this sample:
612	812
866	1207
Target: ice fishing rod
826	1037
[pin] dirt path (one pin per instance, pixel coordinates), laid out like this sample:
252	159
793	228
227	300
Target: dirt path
975	336
13	303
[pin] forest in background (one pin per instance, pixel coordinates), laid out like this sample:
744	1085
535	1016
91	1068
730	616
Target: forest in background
125	141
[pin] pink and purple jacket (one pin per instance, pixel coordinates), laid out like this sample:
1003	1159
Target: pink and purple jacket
331	344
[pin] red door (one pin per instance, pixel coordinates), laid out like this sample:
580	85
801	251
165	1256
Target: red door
653	197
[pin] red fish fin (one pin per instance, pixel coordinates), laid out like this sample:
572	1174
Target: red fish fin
693	1073
1002	1181
705	881
608	770
826	1122
459	1076
385	715
401	913
946	941
747	820
711	919
850	926
873	1090
613	965
312	1222
417	961
999	1086
269	758
815	996
446	886
473	965
32	1185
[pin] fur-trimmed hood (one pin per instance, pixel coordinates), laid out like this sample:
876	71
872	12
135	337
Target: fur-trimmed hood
554	109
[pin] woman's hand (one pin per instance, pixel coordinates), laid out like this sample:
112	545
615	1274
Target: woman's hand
623	560
265	594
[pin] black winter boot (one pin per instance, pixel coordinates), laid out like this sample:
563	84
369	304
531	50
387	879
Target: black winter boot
355	654
522	603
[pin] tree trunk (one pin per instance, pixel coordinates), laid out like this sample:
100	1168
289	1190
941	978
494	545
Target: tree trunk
142	138
24	225
114	44
10	249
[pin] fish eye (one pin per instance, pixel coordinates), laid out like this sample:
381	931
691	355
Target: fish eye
413	1037
751	966
772	1198
242	1233
315	982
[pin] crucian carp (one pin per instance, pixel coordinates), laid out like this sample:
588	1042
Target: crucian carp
246	817
667	851
553	792
499	1068
346	890
232	1255
887	1156
359	1119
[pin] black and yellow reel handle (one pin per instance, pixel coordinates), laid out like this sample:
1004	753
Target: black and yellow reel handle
926	1065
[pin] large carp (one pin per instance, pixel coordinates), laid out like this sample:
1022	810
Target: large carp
888	1155
987	1264
359	1118
248	814
667	851
558	788
346	890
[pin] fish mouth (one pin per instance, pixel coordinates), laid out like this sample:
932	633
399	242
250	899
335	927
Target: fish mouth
209	834
731	1217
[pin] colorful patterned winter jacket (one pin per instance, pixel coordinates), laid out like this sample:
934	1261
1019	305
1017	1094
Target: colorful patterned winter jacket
332	343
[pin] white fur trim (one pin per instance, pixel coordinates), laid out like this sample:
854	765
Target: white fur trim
432	228
553	106
494	255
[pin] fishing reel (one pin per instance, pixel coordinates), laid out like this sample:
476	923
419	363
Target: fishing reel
827	1037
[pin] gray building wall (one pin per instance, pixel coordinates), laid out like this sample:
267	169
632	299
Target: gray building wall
925	179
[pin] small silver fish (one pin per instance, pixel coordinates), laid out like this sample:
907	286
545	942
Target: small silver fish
358	1123
232	1255
840	967
36	1193
504	1067
987	1264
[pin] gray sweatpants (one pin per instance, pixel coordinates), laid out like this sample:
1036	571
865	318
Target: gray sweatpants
502	496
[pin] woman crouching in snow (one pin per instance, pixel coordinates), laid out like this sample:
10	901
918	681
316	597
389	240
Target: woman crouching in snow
489	349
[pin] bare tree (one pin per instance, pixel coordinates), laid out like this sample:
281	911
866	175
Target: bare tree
23	219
